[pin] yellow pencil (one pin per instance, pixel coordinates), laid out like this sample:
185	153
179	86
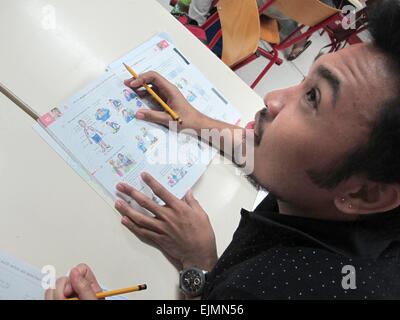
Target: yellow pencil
167	108
110	293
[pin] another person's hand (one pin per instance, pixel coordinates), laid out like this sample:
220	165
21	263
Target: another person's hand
180	229
191	118
80	283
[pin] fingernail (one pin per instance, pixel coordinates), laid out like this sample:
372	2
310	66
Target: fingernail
124	220
139	115
120	187
190	193
119	204
143	175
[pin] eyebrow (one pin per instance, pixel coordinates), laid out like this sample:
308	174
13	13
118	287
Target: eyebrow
332	79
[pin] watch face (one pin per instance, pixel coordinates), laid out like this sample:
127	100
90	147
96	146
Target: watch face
192	281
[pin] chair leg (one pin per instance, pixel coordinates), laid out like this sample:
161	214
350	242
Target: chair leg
271	56
244	62
274	58
262	52
291	39
262	74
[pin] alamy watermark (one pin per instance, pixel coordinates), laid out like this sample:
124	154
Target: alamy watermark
49	277
188	147
349	12
349	277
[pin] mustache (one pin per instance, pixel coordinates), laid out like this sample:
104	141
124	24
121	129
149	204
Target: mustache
264	114
263	117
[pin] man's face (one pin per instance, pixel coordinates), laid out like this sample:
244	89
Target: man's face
319	122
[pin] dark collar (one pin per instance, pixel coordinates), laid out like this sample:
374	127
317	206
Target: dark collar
368	237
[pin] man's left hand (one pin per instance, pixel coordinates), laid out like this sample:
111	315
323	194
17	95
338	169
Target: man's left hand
180	229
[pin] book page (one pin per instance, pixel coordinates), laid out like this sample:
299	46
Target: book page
19	280
98	129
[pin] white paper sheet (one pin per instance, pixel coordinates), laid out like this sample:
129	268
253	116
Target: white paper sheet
22	281
19	280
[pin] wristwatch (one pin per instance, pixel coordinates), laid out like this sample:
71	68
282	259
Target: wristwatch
192	281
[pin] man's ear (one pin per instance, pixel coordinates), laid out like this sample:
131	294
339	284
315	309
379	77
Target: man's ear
360	196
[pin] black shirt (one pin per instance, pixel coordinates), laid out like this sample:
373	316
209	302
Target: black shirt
275	256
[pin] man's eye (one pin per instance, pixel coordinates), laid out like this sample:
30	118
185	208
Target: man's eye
312	98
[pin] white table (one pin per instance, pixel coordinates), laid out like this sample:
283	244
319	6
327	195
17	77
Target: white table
49	215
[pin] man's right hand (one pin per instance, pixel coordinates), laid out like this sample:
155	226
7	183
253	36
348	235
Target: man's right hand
220	134
191	118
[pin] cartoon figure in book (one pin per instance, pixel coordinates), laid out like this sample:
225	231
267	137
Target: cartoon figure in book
122	164
148	137
180	173
128	115
190	159
116	104
139	103
176	175
56	113
140	144
124	160
183	86
129	94
94	136
189	163
182	83
113	125
200	91
116	167
191	96
162	45
184	139
171	181
103	114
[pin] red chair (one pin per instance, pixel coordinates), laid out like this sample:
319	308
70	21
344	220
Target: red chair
241	30
311	14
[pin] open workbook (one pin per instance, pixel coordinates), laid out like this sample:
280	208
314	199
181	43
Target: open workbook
96	130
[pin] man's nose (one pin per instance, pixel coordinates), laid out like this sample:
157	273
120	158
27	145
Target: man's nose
275	103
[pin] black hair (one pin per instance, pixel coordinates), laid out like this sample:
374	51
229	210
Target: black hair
379	158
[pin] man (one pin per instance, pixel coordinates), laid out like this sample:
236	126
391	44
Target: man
328	150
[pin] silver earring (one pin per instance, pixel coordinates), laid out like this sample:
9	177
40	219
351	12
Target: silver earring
343	199
350	206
